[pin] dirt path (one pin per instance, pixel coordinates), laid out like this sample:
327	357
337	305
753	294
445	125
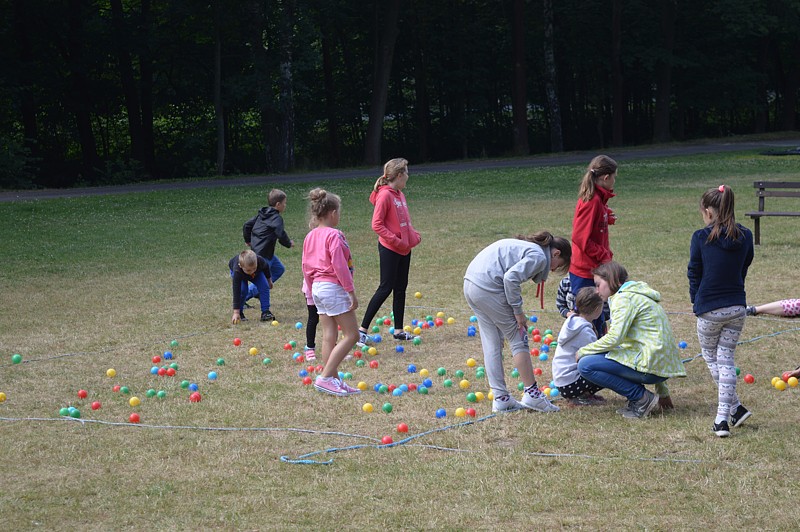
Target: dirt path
622	154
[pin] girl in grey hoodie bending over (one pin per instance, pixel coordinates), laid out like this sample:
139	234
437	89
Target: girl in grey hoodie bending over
493	289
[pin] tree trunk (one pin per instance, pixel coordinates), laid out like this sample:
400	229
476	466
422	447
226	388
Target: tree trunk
385	38
122	39
24	26
661	129
422	101
81	97
618	104
790	86
286	103
146	91
218	111
551	81
330	95
519	100
255	27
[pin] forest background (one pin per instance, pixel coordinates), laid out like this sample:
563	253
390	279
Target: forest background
108	92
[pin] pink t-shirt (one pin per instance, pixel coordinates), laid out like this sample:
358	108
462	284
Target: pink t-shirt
327	258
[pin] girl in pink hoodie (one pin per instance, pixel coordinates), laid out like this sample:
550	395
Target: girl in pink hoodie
328	270
396	237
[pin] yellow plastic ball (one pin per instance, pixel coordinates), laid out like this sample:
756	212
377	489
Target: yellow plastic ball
424	373
361	386
417	331
546	390
253	351
2	397
792	382
275	323
134	401
780	385
464	384
471	362
489	396
372	351
460	412
774	380
451	320
111	373
479	396
407	328
418	295
440	314
367	408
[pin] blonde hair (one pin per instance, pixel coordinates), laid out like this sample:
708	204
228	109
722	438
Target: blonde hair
248	259
321	203
587	301
720	201
391	170
276	196
546	239
600	166
613	273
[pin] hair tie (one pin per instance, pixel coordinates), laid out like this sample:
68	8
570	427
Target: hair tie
722	188
593	171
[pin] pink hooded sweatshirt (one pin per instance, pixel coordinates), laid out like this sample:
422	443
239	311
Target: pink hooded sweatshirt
391	221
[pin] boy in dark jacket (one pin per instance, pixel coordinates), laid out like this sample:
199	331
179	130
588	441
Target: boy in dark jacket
261	233
247	267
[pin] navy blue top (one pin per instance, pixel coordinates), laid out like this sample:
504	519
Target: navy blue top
717	269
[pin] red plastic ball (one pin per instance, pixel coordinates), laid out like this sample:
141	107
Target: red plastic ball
156	359
82	394
426	326
96	405
749	379
287	347
116	387
392	387
373	364
548	341
438	322
301	359
387	321
534	352
237	342
786	375
134	418
319	368
162	371
171	372
386	440
306	380
537	371
536	331
357	354
310	369
537	338
471	412
195	397
402	427
412	386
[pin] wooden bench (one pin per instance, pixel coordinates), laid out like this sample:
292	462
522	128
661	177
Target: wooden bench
774	189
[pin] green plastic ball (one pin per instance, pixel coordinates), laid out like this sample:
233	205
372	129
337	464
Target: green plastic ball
423	390
150	393
441	372
184	384
416	341
515	374
459	374
63	412
383	388
360	363
387	407
220	362
738	371
447	383
75	413
125	390
161	394
480	374
471	397
174	343
348	376
266	361
378	321
376	329
16	358
293	343
521	386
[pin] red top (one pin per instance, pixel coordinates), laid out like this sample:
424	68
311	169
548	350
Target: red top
391	221
590	233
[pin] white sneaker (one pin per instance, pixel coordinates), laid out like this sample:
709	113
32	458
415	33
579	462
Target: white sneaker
540	404
363	339
505	403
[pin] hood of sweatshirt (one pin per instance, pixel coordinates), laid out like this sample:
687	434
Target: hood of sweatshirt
265	213
641	288
571	329
373	197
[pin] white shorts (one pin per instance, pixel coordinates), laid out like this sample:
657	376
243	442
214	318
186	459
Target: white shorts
330	298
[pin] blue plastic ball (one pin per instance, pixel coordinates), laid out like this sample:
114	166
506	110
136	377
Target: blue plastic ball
427	383
167	355
471	332
414	323
440	413
412	368
534	319
298	325
682	344
554	392
296	356
403	387
473	319
543	357
154	370
193	387
377	387
544	348
397	392
400	349
212	375
377	338
341	375
302	373
392	330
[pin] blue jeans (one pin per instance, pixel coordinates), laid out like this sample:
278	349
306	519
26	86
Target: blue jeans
276	270
614	376
259	283
576	283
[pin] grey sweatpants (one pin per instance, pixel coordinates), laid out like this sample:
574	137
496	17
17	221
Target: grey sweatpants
497	324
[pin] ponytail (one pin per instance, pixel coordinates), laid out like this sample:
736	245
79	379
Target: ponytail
599	166
391	170
546	240
720	201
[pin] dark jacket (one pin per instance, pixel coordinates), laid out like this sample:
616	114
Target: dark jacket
263	230
238	276
717	269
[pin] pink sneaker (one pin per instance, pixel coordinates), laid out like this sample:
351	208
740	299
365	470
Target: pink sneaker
310	354
330	385
349	389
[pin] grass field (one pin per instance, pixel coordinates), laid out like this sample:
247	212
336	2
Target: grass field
93	283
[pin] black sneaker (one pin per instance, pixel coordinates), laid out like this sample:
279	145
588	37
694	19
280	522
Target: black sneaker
738	417
267	316
750	310
721	429
242	317
641	409
403	335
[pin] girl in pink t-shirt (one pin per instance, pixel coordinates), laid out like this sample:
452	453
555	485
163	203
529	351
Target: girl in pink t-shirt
328	270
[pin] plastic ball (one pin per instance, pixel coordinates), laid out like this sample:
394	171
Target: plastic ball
253	351
63	411
479	396
111	373
460	412
554	392
293	343
16	358
471	397
377	338
534	319
471	331
95	406
237	342
537	371
391	387
411	368
412	386
82	394
749	379
156	359
447	383
441	412
397	392
471	412
372	351
171	372
161	371
195	397
537	338
545	348
373	364
367	407
451	320
287	347
441	372
515	373
360	363
417	340
464	384
422	390
134	401
150	393
74	412
792	382
471	362
266	361
173	343
774	380
418	295
275	323
785	376
417	331
738	370
400	349
386	440
154	370
543	357
161	394
193	387
480	374
306	381
298	325
124	390
682	344
387	407
383	388
376	329
780	385
361	385
402	427
520	386
116	388
424	373
220	361
134	418
427	383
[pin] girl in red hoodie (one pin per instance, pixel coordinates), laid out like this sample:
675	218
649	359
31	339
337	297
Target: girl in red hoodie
590	224
396	237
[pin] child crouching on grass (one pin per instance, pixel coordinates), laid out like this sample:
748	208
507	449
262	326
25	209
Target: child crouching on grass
328	270
576	332
247	266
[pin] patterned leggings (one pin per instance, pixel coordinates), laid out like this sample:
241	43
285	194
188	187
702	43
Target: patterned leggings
791	307
718	332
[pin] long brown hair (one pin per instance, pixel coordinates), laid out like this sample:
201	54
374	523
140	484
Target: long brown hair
546	239
600	166
613	273
392	169
719	201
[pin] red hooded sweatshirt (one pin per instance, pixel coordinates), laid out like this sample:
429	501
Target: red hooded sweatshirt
590	224
391	221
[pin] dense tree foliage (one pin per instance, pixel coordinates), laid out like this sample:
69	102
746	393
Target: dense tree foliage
97	92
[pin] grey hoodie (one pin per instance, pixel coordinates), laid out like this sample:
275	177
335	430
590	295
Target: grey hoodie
575	333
